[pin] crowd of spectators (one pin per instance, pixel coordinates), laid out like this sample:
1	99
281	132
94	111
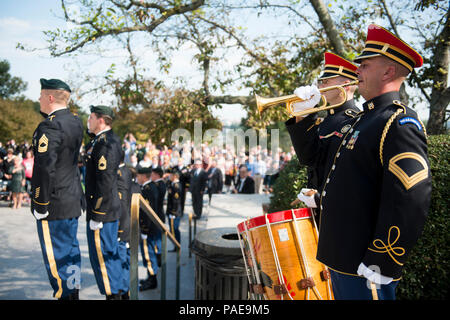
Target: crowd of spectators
263	165
16	170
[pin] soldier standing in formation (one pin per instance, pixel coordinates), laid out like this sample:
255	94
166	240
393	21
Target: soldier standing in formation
147	243
56	188
173	209
124	187
104	154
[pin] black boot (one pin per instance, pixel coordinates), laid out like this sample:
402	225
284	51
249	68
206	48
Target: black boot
158	259
125	295
114	296
74	295
150	283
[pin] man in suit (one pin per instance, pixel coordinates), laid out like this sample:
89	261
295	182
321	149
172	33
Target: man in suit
215	180
56	188
245	184
104	154
197	187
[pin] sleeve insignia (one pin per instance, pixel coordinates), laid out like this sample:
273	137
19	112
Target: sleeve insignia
411	120
98	203
43	144
412	165
102	163
176	196
393	252
37	192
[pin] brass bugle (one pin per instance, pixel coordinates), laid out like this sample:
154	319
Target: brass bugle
289	100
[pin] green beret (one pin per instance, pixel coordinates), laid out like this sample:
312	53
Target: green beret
54	84
103	110
144	170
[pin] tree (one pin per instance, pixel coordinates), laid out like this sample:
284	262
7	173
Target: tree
9	86
268	66
18	120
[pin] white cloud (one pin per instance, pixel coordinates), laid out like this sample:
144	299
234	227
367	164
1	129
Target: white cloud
11	25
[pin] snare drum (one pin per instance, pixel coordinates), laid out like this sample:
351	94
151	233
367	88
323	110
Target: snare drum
279	250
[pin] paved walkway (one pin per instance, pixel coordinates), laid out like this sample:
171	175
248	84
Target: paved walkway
22	271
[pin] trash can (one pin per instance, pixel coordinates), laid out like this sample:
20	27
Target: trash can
219	266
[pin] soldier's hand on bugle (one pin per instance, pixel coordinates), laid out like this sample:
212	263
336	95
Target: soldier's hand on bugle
311	96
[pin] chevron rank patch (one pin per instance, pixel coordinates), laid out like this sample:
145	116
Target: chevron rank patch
43	144
102	163
409	167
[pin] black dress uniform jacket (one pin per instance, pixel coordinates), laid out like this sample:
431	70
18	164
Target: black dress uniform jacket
326	131
150	193
159	209
56	186
124	182
174	199
377	190
103	158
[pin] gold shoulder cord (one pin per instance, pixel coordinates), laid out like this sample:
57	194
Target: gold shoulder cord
385	131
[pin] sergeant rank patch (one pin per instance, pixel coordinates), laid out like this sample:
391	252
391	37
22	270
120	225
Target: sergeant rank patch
43	144
409	167
102	163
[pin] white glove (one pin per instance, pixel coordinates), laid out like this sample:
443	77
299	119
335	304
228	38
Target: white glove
94	225
310	94
373	276
308	200
143	236
40	216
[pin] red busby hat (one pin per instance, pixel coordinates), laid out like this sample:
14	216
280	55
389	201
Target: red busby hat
382	42
337	66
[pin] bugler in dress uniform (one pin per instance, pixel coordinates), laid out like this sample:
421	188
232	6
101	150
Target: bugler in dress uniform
327	130
377	192
56	188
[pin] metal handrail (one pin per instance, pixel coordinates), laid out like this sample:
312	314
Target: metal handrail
138	202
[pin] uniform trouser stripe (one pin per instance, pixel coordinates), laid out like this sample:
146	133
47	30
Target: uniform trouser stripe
51	257
147	257
101	262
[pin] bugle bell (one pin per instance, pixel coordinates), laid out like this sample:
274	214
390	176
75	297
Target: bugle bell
289	100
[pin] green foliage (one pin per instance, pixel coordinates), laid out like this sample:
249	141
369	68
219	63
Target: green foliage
426	274
291	180
9	86
18	120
